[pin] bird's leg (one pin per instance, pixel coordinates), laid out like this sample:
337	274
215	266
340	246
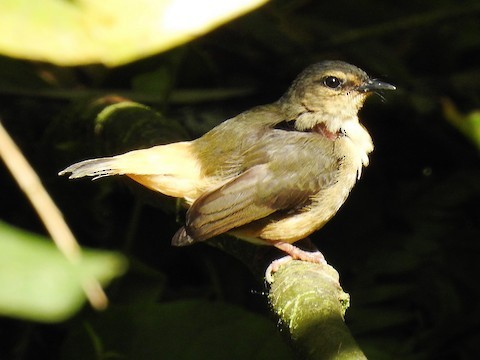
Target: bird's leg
294	253
298	254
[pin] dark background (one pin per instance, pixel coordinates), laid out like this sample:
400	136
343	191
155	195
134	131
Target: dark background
406	243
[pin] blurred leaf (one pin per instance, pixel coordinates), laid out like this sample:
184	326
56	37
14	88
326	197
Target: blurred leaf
468	125
38	283
178	330
112	32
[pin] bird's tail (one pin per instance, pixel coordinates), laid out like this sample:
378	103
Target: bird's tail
96	168
172	169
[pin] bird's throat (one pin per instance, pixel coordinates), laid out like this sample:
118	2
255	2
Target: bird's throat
321	129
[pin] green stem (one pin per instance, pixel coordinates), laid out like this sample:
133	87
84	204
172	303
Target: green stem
311	304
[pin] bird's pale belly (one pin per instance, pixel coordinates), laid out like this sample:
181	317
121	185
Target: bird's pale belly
298	225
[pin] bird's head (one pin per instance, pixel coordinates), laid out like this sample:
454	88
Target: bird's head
331	93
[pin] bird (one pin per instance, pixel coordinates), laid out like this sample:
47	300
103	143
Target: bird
271	175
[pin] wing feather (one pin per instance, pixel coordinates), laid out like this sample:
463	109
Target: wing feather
285	180
232	205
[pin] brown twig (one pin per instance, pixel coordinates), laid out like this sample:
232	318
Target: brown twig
48	212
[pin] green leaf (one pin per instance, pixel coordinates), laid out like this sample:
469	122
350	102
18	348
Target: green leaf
468	125
112	32
193	329
38	283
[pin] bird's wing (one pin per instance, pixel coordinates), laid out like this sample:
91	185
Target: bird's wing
282	183
232	205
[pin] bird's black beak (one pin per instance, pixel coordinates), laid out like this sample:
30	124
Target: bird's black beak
374	84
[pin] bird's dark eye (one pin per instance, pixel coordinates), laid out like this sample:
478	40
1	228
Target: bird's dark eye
332	82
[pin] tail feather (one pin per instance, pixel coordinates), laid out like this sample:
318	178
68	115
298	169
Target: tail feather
97	168
171	169
181	238
174	159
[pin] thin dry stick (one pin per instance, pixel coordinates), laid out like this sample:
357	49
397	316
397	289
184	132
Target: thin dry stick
48	212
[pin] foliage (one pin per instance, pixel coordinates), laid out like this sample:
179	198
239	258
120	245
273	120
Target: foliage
151	329
405	243
39	283
112	32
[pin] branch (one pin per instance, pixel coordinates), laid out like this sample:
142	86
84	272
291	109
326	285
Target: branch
311	304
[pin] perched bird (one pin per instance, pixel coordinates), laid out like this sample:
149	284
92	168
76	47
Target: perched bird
271	175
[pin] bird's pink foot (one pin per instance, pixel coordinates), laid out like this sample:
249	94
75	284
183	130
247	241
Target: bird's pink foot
294	253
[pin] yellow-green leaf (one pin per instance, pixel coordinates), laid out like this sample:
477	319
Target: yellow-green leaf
38	283
112	32
468	125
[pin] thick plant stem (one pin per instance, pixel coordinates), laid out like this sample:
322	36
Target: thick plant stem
311	304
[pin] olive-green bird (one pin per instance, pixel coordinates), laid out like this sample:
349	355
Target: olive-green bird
271	175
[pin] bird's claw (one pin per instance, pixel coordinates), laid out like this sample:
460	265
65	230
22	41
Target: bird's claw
295	253
274	266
